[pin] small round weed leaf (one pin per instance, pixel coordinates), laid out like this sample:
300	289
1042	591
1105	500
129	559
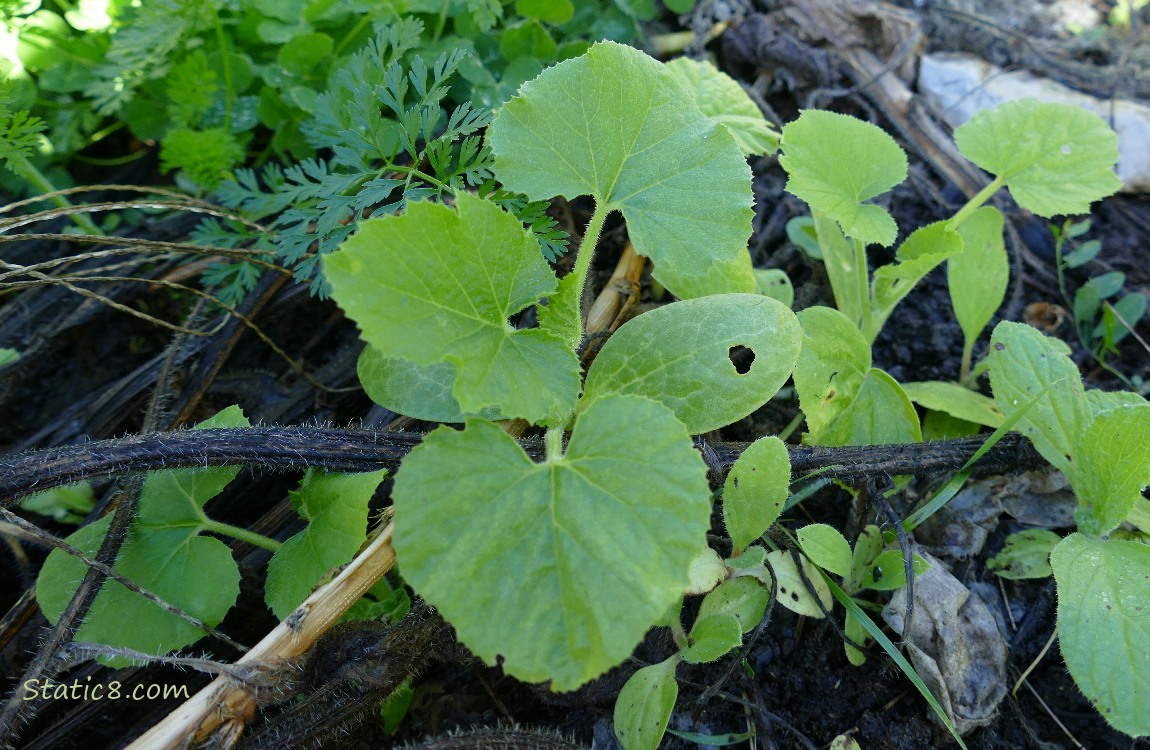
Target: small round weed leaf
712	637
835	162
755	490
644	706
774	283
1111	467
615	124
164	553
793	593
1055	158
833	363
723	100
1023	363
955	400
419	392
888	571
548	11
1104	625
868	547
706	571
580	555
826	547
712	361
742	597
437	285
1026	554
977	277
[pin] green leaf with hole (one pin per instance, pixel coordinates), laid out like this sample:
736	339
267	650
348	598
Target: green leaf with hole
977	277
1111	467
1023	362
1104	625
955	400
164	553
644	149
644	705
918	255
826	547
1026	554
684	356
835	162
723	100
335	506
437	285
1055	158
742	597
598	541
755	490
712	637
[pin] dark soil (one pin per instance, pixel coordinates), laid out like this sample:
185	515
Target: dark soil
89	372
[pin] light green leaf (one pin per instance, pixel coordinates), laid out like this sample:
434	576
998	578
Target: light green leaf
977	277
955	400
879	413
867	548
600	540
548	11
793	593
836	162
1055	158
1099	401
755	490
833	363
857	633
680	355
937	425
826	547
774	283
1022	363
723	100
742	597
562	315
164	553
68	504
642	148
7	356
1104	625
705	572
918	255
1111	467
888	571
845	261
1026	554
438	285
335	506
712	637
644	706
419	392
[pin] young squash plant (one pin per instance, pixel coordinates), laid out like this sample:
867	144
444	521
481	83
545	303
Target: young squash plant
583	552
1054	159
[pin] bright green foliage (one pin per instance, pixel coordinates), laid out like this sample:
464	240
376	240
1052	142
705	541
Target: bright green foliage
712	637
680	355
888	571
335	506
1023	362
644	705
8	356
826	547
597	542
743	597
836	162
420	292
845	400
643	149
845	261
723	100
206	155
68	504
163	549
1111	467
755	490
705	572
1104	625
917	256
978	276
793	593
409	389
774	283
1055	158
19	137
953	399
1026	554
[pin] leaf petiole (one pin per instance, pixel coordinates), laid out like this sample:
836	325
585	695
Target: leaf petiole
243	535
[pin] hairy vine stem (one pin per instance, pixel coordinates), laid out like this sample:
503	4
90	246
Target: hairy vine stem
351	450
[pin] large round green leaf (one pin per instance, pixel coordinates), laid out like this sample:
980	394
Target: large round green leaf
561	566
681	356
615	124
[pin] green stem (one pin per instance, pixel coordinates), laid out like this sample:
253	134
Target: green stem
364	20
28	171
229	92
587	251
862	283
976	202
964	371
235	532
553	443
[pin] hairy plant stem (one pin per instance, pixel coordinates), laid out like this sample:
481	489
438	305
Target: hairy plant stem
349	450
587	251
